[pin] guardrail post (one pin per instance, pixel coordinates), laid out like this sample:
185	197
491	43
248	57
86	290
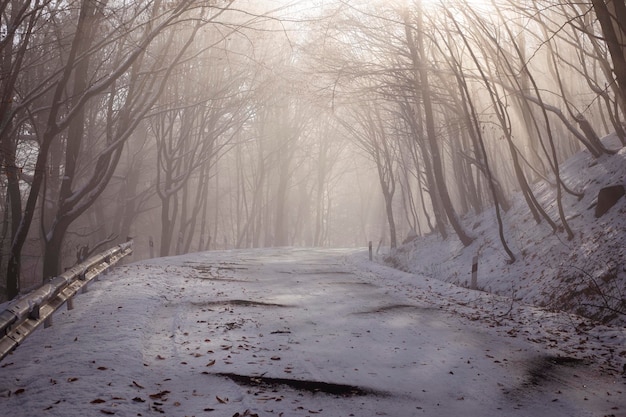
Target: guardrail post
370	249
35	313
107	260
83	277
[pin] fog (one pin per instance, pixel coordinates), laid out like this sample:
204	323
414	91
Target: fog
191	126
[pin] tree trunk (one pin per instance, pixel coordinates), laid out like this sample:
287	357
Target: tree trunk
53	252
612	15
167	226
393	240
419	55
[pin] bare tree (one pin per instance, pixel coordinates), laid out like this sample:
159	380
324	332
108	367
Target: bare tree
191	132
372	129
115	74
418	54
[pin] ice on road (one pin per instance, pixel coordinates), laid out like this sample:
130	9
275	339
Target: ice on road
288	332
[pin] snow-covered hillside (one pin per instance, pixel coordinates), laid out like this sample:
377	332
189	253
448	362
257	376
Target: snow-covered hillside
585	275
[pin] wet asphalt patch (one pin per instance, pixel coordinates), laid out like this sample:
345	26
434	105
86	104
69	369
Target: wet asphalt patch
340	390
237	303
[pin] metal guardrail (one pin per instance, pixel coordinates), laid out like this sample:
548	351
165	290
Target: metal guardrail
23	316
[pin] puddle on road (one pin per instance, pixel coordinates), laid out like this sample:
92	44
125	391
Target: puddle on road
211	273
237	303
542	370
316	272
356	283
545	371
341	390
397	307
221	265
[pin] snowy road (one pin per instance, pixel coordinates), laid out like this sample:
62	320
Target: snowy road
286	332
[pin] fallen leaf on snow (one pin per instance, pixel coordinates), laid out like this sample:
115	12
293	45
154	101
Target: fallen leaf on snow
159	395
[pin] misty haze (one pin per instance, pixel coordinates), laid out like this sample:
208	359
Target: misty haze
357	174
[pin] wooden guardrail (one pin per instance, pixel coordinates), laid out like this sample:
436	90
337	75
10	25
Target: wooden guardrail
23	316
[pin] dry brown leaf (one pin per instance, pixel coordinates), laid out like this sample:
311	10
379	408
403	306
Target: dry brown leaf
159	395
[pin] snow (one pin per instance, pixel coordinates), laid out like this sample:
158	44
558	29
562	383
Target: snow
161	337
576	275
308	332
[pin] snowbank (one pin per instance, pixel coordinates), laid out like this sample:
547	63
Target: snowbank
585	275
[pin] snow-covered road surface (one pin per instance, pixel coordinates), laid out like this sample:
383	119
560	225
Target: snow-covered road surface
291	332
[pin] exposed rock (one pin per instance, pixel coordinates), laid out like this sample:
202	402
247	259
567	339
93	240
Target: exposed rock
607	198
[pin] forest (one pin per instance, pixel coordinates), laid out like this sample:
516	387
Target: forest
202	125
